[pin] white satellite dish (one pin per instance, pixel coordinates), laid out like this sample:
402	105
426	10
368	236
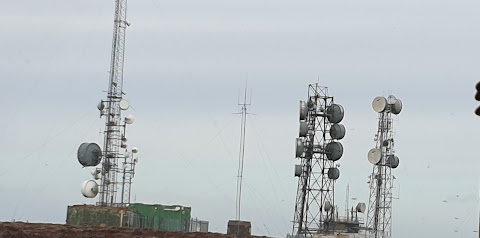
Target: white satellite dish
124	104
397	107
300	147
303	131
303	110
379	104
337	131
129	119
374	156
391	100
90	188
134	149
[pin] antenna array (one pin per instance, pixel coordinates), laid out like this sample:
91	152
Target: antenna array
117	163
241	156
317	149
383	158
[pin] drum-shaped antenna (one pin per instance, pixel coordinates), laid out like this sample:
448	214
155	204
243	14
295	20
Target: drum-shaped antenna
361	207
374	156
300	147
397	107
303	110
334	150
303	131
333	173
379	104
392	161
337	131
100	105
89	154
391	100
328	206
134	150
129	119
335	113
90	188
124	105
298	170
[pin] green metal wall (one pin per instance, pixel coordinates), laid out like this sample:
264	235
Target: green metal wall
161	217
81	215
137	215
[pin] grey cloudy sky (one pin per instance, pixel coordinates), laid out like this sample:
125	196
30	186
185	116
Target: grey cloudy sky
186	63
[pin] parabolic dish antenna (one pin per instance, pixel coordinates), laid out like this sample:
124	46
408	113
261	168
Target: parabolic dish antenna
100	105
337	131
89	154
379	104
90	188
391	100
334	150
361	207
303	110
374	156
393	161
124	104
303	129
397	107
333	173
129	119
300	147
335	113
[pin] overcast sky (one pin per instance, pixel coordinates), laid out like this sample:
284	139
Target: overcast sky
186	63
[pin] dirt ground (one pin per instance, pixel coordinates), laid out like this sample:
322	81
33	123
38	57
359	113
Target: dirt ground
30	230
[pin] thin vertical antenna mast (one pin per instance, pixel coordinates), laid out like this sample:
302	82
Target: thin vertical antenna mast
241	156
113	118
346	199
116	164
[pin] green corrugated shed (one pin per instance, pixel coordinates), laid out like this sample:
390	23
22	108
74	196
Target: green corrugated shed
161	217
84	215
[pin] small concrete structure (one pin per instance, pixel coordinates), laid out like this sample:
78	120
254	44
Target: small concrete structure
239	228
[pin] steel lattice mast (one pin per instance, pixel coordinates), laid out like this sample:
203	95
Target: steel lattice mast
379	218
114	129
317	150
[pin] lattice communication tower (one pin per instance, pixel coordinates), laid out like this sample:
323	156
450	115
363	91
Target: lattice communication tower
383	158
117	162
318	149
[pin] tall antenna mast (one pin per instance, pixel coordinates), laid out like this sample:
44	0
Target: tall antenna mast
317	149
118	166
383	158
241	155
114	138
